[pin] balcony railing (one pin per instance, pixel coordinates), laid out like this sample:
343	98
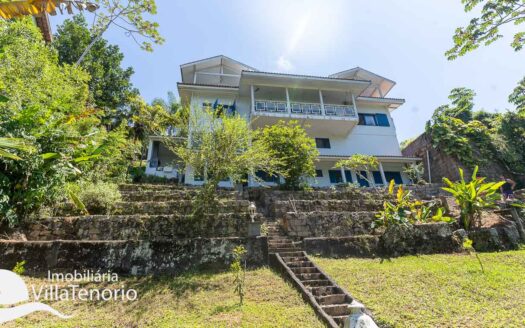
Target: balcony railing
300	108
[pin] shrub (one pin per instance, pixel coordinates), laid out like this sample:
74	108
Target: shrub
405	211
99	198
473	196
359	163
19	268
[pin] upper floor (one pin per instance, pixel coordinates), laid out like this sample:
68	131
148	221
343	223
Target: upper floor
349	102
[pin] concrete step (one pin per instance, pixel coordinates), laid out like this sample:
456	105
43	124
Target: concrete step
278	243
317	283
336	309
300	264
325	291
282	250
298	258
299	270
310	276
333	299
340	320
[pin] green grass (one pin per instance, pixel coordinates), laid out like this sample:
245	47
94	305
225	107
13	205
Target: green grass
190	300
437	290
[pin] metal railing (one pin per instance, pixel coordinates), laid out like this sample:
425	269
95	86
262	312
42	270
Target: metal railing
271	106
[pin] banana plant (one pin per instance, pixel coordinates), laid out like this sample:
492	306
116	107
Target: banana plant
473	196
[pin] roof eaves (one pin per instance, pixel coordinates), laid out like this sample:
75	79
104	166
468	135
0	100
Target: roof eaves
218	56
305	76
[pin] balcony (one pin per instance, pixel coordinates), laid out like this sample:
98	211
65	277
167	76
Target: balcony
319	119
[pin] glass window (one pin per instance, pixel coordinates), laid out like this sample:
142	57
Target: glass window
335	176
362	182
377	177
382	120
396	176
322	142
367	119
264	176
348	175
318	173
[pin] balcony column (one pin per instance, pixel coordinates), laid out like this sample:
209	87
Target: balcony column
370	177
321	101
343	173
252	94
383	178
354	104
288	106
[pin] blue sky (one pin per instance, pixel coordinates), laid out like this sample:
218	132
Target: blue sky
403	40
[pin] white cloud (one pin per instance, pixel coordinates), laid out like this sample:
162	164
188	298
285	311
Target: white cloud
283	64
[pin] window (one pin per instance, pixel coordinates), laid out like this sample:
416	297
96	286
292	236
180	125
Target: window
335	176
377	177
396	176
322	142
348	175
362	182
382	120
374	119
198	177
318	173
367	119
264	176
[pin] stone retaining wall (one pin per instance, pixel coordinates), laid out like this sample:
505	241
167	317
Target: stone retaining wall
328	224
137	227
129	257
418	239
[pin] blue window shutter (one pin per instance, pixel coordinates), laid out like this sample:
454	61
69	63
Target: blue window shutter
382	120
377	177
348	175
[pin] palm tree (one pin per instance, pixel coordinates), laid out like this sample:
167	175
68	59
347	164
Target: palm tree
17	144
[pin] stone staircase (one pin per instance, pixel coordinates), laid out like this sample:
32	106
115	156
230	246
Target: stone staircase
331	303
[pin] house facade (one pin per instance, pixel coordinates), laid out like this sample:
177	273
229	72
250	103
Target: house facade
346	113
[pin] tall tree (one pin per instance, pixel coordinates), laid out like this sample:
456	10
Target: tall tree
127	15
462	103
110	85
485	29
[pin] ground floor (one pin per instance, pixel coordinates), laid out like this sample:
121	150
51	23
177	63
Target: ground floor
163	163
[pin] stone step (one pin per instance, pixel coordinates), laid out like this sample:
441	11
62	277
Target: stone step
300	264
333	299
325	291
340	320
282	250
280	243
316	283
336	309
299	253
310	276
289	259
299	270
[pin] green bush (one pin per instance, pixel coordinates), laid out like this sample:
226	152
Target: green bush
473	196
99	198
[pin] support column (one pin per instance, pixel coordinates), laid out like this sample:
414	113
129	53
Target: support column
383	178
252	94
321	101
428	168
354	104
417	173
288	106
343	174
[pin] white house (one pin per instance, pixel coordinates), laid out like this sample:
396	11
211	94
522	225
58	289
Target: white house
347	113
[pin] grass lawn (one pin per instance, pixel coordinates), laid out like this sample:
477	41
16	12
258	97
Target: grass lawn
191	300
437	290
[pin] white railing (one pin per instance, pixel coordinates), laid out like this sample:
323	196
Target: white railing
271	106
216	78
